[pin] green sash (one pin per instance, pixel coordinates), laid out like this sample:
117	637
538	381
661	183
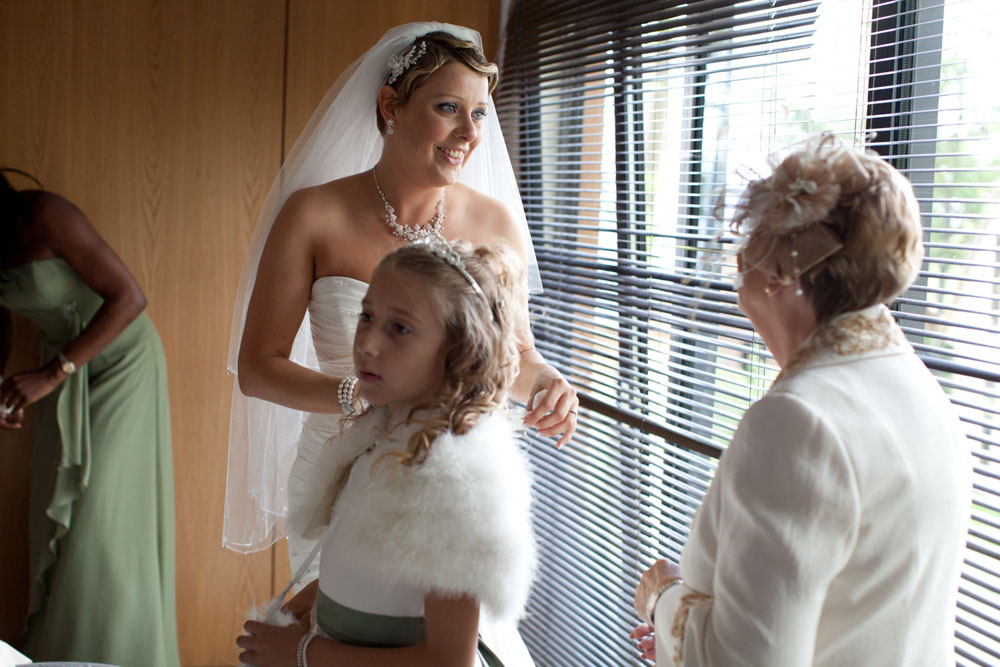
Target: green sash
360	628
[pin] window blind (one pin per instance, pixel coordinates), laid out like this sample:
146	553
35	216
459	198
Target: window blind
633	126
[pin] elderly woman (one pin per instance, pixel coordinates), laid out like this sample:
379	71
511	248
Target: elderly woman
833	531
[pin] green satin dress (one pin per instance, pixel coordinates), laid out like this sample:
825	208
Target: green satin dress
101	523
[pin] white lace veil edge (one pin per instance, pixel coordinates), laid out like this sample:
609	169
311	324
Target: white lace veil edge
340	139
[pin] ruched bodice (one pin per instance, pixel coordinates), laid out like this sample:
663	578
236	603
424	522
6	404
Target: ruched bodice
334	307
49	292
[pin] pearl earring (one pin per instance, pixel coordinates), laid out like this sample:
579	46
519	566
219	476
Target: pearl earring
390	123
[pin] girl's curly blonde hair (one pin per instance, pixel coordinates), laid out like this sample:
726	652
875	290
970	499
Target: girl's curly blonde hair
481	358
841	222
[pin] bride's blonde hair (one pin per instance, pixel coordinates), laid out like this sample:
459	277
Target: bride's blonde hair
440	48
481	359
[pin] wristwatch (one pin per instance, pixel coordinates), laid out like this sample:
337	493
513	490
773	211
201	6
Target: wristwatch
67	366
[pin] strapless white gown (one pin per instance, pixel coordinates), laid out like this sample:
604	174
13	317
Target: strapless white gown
334	308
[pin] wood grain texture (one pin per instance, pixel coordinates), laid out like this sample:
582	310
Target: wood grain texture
15	457
163	121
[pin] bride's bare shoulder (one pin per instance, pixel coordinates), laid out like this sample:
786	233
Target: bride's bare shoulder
321	208
486	220
332	199
485	204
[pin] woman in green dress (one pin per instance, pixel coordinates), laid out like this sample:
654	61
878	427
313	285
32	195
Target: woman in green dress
101	524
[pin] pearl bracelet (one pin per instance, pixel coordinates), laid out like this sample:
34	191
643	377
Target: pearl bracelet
345	393
300	657
655	596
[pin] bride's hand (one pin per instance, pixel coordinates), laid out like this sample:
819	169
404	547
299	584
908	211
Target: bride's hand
553	405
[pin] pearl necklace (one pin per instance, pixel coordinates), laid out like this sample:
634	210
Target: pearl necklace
418	233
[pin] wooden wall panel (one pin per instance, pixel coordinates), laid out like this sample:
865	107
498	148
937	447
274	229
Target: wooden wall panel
164	122
15	455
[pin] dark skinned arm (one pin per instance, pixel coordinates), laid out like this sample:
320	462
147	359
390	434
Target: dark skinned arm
67	233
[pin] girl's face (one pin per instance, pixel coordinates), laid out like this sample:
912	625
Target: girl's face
399	345
443	121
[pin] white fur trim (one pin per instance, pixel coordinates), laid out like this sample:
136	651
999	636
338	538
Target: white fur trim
458	523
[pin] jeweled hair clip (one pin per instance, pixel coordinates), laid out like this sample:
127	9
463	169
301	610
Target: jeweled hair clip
399	65
445	251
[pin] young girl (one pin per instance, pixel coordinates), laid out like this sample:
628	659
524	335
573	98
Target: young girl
430	492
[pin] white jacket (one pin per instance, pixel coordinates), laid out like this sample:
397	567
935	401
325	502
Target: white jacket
833	531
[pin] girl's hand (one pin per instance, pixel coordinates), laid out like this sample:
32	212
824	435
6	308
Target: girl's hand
553	406
22	389
301	605
647	641
269	645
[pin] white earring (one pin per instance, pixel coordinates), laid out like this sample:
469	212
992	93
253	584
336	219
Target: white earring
390	123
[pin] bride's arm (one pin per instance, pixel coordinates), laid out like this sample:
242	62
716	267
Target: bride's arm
278	304
553	413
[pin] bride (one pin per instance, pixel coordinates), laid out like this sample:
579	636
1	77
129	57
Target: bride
406	145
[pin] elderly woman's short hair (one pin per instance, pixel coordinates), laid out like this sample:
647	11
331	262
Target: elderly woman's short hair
841	223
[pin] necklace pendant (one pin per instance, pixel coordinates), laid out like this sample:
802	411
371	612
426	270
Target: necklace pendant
418	233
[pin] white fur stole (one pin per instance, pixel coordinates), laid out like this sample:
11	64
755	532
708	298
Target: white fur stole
457	523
